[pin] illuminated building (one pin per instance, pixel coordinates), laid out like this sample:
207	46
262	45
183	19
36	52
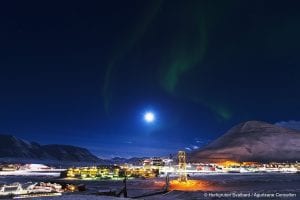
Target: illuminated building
94	172
112	172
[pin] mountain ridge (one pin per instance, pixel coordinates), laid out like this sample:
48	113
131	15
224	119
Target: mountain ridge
14	147
253	141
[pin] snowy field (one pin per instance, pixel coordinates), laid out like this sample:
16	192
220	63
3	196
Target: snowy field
282	186
28	173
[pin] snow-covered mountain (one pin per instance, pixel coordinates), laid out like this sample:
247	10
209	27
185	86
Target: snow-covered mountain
13	147
253	141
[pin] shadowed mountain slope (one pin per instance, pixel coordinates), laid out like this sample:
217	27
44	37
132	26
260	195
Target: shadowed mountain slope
252	141
13	147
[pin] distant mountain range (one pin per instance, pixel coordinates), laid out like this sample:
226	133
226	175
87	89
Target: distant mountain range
12	147
16	149
252	141
248	141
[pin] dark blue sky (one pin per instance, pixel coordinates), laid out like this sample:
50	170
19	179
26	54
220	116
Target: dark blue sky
84	73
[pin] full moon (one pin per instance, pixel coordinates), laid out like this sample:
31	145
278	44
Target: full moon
149	117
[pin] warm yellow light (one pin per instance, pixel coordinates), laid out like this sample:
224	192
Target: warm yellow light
229	163
189	185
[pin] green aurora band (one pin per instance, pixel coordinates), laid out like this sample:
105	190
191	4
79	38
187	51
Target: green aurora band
182	53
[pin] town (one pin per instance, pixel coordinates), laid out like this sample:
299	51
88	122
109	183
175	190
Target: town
150	169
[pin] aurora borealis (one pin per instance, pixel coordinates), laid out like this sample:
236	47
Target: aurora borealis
85	73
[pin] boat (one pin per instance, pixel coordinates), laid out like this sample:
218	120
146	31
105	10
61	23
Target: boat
44	188
12	189
17	191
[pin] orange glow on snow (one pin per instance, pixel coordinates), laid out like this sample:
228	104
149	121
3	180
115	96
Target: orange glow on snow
190	185
229	163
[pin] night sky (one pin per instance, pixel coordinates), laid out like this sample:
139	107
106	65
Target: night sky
84	73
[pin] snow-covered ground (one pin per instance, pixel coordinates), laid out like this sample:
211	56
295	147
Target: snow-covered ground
33	170
82	197
218	184
29	173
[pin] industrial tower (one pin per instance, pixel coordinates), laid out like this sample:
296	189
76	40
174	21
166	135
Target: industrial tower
182	166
